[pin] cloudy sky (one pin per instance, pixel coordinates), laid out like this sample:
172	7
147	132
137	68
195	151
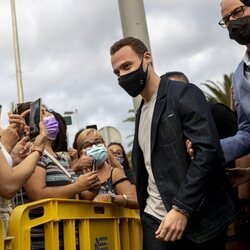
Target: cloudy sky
64	48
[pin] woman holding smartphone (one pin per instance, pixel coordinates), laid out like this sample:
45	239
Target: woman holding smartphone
53	177
18	159
115	186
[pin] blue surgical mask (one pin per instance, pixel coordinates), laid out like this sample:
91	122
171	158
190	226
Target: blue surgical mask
120	159
98	153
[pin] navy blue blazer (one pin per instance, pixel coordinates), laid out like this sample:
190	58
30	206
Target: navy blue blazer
199	186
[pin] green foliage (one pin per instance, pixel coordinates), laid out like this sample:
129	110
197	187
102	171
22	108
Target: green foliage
219	91
130	144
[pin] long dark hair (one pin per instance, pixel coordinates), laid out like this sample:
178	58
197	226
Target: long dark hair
61	141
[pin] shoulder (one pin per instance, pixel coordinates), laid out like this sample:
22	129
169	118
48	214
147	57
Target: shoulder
183	87
117	174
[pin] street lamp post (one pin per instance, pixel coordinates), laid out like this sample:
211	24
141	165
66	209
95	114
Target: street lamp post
17	53
133	21
76	116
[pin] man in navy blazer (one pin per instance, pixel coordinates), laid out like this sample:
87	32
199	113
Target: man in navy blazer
184	203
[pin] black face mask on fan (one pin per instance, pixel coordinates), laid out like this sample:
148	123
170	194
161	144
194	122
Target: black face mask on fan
239	30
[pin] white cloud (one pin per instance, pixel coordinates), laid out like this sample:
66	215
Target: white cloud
64	47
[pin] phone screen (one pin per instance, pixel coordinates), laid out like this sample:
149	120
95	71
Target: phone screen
35	118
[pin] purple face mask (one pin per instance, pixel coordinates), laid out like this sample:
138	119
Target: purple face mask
51	126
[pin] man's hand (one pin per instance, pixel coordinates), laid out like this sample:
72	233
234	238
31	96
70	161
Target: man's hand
172	226
190	150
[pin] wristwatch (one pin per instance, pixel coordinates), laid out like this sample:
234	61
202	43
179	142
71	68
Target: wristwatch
112	195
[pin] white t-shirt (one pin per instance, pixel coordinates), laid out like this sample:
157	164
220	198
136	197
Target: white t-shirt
246	60
5	205
154	204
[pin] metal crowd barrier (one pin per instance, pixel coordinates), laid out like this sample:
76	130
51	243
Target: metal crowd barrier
101	226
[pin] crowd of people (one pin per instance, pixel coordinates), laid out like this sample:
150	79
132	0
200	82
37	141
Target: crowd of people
185	159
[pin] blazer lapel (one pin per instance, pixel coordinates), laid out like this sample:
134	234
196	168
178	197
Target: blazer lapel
159	106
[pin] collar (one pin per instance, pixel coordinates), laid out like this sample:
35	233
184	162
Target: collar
246	59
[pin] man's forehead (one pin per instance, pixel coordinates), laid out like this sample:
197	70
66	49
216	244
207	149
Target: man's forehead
123	55
227	6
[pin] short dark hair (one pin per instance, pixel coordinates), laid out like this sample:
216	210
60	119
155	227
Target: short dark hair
180	76
136	44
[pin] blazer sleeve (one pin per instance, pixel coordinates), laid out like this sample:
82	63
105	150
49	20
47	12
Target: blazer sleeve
198	126
239	144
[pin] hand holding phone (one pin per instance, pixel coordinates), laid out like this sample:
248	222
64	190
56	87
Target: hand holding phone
34	119
93	167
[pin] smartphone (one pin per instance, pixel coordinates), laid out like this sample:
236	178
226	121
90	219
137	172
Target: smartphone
92	126
35	118
93	165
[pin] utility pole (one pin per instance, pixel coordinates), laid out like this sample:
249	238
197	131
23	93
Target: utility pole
133	20
17	53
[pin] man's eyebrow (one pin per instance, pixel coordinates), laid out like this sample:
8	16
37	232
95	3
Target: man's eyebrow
122	65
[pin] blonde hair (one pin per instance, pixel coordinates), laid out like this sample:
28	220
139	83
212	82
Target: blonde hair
84	133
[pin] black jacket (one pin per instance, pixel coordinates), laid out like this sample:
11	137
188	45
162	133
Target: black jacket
198	186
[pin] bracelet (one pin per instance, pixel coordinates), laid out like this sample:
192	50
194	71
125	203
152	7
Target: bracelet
125	200
182	211
37	150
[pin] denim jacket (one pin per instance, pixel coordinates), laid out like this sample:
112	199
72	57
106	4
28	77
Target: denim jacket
199	186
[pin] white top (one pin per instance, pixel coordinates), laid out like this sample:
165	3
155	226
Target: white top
154	204
5	205
246	60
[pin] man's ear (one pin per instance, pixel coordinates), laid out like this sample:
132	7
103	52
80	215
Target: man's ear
148	57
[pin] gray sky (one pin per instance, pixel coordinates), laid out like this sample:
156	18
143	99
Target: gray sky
64	48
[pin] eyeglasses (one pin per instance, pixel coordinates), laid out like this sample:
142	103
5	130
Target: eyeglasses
87	145
117	154
236	13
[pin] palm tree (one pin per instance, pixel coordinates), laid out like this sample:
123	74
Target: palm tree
130	119
219	92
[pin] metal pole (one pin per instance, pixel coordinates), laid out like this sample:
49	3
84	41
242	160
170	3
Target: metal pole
77	119
133	20
17	53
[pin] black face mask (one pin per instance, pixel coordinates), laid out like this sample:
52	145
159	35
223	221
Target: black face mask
239	30
134	82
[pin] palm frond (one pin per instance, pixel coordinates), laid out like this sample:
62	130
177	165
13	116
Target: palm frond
219	92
